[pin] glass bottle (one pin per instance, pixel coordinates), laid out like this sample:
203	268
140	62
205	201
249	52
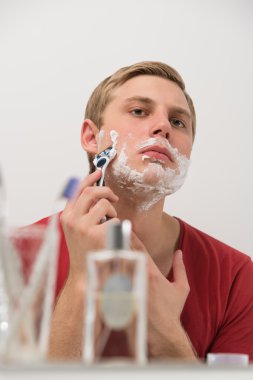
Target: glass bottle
115	312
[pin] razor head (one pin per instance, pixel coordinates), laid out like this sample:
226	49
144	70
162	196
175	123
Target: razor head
102	160
104	157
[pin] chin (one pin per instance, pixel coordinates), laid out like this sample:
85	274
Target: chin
153	173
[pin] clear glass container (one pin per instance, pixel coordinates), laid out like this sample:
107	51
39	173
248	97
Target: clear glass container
29	272
115	313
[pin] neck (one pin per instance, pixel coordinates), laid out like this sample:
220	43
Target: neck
158	231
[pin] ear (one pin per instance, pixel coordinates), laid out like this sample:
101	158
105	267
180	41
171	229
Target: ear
89	136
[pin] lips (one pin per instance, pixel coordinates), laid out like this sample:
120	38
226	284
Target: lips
157	152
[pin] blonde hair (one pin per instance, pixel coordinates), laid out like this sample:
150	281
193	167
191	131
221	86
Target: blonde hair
102	95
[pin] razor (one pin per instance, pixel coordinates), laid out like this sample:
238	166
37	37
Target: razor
102	160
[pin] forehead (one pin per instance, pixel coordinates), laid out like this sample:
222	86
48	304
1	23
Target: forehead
160	90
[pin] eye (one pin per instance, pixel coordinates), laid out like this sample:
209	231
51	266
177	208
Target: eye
177	123
138	112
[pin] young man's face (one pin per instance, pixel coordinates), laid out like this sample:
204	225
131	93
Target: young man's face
148	107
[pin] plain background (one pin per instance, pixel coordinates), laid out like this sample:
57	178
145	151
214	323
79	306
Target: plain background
54	52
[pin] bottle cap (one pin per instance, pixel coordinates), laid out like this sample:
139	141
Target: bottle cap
118	235
70	188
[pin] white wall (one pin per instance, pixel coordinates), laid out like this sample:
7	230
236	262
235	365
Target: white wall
54	52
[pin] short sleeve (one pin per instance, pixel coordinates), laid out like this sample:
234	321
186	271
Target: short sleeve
235	335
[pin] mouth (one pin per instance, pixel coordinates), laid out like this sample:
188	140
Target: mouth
157	152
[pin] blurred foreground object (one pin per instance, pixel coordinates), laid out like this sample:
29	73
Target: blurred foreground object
30	268
116	321
223	359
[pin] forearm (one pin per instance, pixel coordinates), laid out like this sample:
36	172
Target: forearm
66	337
173	343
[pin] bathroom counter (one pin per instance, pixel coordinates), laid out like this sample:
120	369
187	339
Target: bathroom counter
123	372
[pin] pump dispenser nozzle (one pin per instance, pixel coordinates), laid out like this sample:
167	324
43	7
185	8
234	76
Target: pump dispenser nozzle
118	235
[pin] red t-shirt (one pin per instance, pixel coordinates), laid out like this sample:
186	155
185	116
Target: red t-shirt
218	313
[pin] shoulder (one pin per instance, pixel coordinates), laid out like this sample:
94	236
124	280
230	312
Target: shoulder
198	245
45	221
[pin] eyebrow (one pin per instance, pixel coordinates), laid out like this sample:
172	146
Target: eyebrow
182	111
148	101
141	99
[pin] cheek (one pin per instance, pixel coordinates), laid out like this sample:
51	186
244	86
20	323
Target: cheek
126	141
188	150
184	147
125	149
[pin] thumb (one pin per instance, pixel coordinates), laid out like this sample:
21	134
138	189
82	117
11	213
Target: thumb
179	271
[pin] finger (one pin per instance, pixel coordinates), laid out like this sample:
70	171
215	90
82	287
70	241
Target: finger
89	197
90	180
101	209
98	237
179	271
111	221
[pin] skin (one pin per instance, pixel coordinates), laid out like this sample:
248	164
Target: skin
142	108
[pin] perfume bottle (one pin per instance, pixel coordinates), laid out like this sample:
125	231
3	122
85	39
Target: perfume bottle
115	311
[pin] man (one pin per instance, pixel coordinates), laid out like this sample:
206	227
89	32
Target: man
200	290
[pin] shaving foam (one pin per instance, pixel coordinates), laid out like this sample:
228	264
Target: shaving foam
155	181
101	136
101	139
114	137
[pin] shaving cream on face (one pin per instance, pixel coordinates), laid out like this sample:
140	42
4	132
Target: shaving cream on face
114	137
101	140
101	137
155	181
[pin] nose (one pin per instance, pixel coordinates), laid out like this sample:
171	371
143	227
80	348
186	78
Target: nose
161	126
